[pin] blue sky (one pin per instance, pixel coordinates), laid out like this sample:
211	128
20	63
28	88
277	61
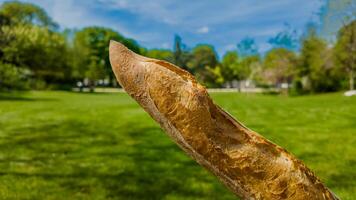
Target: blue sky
153	23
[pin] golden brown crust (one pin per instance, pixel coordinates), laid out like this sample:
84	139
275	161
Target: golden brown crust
250	165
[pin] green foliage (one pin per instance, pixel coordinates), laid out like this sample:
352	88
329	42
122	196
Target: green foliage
216	76
230	62
37	48
31	40
279	66
203	62
345	52
30	43
181	54
13	78
234	68
249	65
203	55
91	46
161	54
316	66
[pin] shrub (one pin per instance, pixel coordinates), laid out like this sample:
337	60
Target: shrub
13	78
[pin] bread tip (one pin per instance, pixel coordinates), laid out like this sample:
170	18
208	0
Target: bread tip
118	53
116	46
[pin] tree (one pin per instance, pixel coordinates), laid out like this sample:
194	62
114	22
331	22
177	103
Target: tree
247	47
181	54
204	60
235	68
316	69
12	77
28	35
92	50
216	76
279	66
161	54
345	51
252	66
38	49
204	55
21	13
230	62
4	21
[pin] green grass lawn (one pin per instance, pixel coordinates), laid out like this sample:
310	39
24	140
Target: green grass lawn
61	145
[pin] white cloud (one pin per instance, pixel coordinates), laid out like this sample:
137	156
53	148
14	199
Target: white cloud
203	29
224	48
229	47
264	47
165	45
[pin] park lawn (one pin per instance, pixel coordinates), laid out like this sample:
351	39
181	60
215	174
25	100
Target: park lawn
63	145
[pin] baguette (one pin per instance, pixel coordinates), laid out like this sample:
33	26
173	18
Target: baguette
248	164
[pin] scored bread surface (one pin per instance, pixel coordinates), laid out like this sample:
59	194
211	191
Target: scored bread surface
248	164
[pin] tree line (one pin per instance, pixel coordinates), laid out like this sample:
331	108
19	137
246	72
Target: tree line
36	54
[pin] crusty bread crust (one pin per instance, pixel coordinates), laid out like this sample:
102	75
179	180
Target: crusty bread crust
250	165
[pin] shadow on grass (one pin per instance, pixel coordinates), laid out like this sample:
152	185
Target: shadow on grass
140	163
17	97
345	178
92	93
132	161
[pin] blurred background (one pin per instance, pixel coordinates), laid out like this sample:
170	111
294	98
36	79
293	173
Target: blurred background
285	68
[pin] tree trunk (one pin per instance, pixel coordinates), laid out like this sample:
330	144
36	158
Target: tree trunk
239	86
351	81
91	86
248	164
